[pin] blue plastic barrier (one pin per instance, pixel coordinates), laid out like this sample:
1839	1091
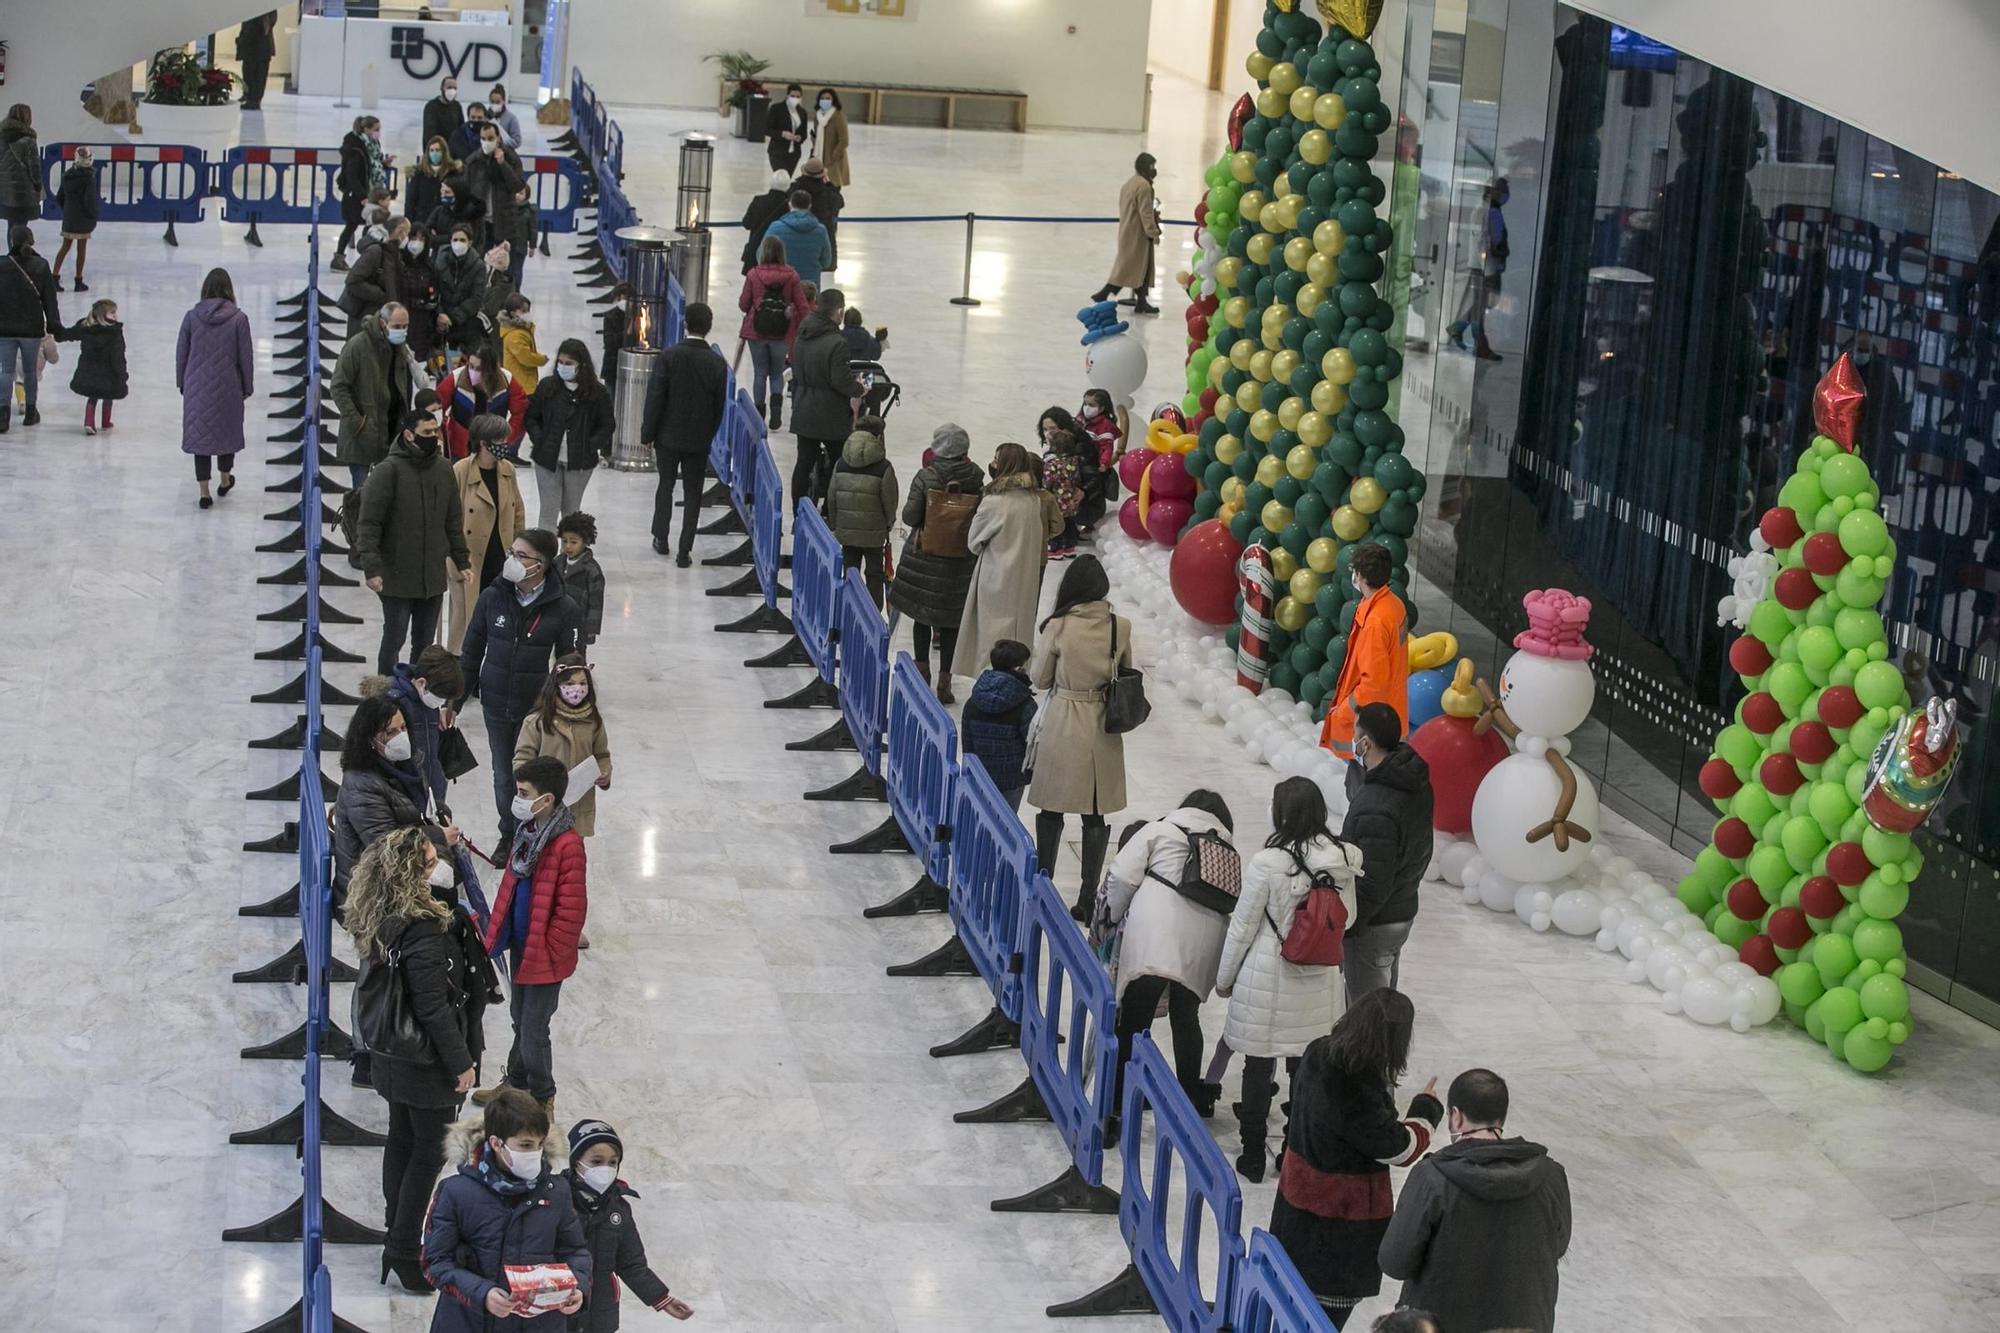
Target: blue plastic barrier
614	212
583	115
745	432
611	159
155	183
1271	1297
677	328
923	766
864	669
767	512
556	189
992	864
816	574
265	184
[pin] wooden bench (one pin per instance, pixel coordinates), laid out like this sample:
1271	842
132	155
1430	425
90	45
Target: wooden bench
869	97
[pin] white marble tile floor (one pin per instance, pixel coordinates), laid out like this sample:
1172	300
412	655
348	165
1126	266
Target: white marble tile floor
791	1140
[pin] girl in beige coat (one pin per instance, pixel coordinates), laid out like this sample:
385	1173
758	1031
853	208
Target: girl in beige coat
1079	766
490	501
567	725
1009	534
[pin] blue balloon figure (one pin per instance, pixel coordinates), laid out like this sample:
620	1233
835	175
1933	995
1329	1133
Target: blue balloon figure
1427	695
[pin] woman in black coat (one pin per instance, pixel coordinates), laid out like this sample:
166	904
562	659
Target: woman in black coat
931	589
76	196
1334	1203
569	431
404	916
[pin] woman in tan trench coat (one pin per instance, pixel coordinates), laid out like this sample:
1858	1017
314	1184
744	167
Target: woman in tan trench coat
1138	233
489	499
1009	534
1079	766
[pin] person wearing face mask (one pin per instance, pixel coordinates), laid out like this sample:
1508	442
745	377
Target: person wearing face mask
362	169
444	116
416	289
567	725
1138	234
685	405
519	626
461	284
411	538
372	386
500	1206
381	786
489	495
1098	419
493	176
828	137
826	205
465	142
404	915
376	278
1376	668
764	209
518	353
423	183
616	1252
785	131
481	386
538	915
423	690
568	422
1389	809
498	113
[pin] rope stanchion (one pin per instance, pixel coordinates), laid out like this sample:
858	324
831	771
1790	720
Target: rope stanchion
965	296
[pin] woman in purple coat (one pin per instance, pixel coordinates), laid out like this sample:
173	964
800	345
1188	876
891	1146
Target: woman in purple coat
214	364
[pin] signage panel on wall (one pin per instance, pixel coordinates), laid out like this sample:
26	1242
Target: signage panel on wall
408	59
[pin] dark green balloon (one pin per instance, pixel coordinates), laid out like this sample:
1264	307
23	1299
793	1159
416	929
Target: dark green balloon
1309	220
1392	364
1328	320
1349	174
1360	94
1266	289
1295	26
1272	45
1352	54
1255	496
1368	395
1254	130
1233	634
1371	428
1369	458
1397	516
1322	69
1309	509
1368	346
1293	335
1239	242
1398	549
1415	490
1320	190
1343	450
1214	475
1299	175
1211	431
1317	634
1284	678
1329	481
1303	659
1350	140
1199	461
1317	345
1238	422
1381	236
1274	393
1383	317
1240	527
1257	537
1360	268
1356	299
1375	120
1207	503
1347	613
1394	471
1356	217
1278	145
1245	466
1314	689
1288	489
1326	606
1295	539
1267	168
1232	380
1282	444
1307	374
1285	286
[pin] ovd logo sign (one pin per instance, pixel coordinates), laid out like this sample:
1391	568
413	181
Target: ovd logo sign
424	59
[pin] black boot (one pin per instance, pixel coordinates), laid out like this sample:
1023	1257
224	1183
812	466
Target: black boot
31	417
6	417
1102	293
1250	1120
1096	837
1140	305
777	415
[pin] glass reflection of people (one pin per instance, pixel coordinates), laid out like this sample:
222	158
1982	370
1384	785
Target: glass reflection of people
1483	281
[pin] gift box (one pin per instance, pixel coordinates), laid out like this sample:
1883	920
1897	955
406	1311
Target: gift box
540	1286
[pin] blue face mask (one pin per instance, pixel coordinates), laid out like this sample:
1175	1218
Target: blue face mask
397	337
566	371
436	157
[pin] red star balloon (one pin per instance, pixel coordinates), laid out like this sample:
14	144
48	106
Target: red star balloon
1239	115
1838	402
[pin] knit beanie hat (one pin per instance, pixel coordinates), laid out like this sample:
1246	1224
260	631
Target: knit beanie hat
781	180
950	441
584	1133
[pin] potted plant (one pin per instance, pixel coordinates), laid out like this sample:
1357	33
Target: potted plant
750	98
186	100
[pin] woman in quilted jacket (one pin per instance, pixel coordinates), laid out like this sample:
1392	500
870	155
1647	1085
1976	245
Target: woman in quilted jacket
215	370
1278	1008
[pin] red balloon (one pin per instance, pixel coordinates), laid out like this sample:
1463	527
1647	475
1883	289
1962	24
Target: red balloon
1823	554
1239	116
1209	398
1838	401
1719	781
1734	839
1821	897
1128	519
1131	467
1749	657
1788	928
1757	952
1458	759
1796	590
1746	900
1780	774
1780	527
1166	516
1761	713
1812	743
1847	863
1202	572
1839	706
1171	480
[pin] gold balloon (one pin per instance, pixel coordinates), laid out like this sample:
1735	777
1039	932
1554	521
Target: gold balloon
1291	615
1314	145
1235	310
1260	247
1227	448
1297	251
1216	370
1349	525
1250	204
1329	237
1272	220
1338	366
1276	314
1322	554
1285	79
1314	428
1249	394
1302	100
1289	412
1227	270
1283	564
1328	398
1301	461
1271	102
1273	341
1239	352
1263	425
1321	271
1288	207
1243	166
1282	365
1359	17
1270	468
1260	366
1228	513
1231	491
1258	65
1312	293
1329	110
1366	494
1304	586
1276	514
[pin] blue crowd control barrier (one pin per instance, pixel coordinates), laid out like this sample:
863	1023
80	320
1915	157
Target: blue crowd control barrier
614	212
992	865
1271	1297
155	183
864	679
816	575
923	766
1067	1026
767	523
264	184
1187	1164
556	190
611	158
676	314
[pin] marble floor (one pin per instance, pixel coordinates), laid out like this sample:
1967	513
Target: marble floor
791	1140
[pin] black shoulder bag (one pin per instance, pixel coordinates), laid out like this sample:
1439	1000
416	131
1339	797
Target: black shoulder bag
384	1020
1125	705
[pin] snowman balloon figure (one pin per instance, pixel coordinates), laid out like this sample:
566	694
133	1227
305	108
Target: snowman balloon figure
1113	360
1534	816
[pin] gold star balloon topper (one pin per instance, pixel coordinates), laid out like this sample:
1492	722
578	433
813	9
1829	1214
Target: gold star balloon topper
1359	17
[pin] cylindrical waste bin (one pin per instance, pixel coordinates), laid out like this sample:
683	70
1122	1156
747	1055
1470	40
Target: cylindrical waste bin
636	368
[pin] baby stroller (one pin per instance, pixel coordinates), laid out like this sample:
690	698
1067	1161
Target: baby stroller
883	393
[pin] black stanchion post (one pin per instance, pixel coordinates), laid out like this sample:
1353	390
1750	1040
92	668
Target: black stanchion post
966	297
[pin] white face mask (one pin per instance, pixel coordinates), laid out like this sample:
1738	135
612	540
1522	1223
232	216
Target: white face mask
522	1165
397	750
490	145
1090	410
523	808
431	700
451	94
513	571
566	372
496	106
598	1178
1359	586
414	246
461	248
791	99
441	876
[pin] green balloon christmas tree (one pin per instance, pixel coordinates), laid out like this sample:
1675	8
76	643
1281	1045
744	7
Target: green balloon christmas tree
1797	877
1299	453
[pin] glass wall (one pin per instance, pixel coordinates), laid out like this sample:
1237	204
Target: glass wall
1629	269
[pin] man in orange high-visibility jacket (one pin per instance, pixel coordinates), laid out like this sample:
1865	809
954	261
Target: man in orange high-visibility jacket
1377	666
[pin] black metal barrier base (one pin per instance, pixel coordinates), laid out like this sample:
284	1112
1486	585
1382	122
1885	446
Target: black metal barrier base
764	620
1022	1104
1067	1193
295	651
334	1045
291	966
287	789
995	1032
815	693
947	960
289	1223
735	559
791	653
294	692
335	1131
728	525
834	738
285	904
283	842
747	585
294	738
886	836
289	1322
926	895
860	785
1124	1294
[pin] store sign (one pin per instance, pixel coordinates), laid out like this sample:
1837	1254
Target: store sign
429	52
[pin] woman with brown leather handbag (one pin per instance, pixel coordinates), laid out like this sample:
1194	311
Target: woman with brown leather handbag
934	575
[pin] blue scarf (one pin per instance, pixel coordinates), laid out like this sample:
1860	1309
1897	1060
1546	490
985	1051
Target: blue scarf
498	1178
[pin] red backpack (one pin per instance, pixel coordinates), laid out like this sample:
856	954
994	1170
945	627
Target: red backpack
1318	925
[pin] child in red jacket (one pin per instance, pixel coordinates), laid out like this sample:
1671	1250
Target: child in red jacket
537	917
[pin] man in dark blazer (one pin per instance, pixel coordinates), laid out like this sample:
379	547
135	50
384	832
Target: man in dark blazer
684	409
785	130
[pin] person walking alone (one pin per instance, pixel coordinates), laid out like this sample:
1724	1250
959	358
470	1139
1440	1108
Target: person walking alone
20	167
76	196
215	366
28	314
685	404
1376	667
255	45
1138	236
1389	804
